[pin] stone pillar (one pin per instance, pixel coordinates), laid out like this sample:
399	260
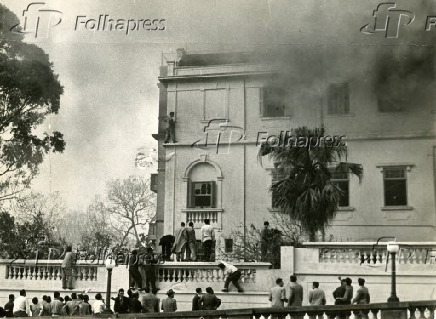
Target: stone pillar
394	314
287	259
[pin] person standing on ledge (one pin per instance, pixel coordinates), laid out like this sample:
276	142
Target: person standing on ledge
264	237
67	268
180	244
295	293
362	294
207	238
233	275
171	130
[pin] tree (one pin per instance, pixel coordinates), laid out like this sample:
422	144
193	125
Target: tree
29	92
307	193
130	205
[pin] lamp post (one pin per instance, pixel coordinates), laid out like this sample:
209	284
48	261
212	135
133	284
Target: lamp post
110	264
393	249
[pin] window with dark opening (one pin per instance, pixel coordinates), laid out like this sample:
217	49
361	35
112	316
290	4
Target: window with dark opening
228	245
274	102
341	180
202	195
395	186
338	99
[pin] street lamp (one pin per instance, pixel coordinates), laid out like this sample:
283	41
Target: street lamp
110	264
393	249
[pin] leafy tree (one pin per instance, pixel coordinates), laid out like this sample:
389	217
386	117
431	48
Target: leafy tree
29	92
128	206
307	193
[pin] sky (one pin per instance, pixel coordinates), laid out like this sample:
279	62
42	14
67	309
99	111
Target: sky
109	108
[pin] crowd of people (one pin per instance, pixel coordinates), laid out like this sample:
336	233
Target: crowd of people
292	294
76	304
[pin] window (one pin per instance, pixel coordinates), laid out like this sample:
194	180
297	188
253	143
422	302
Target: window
202	195
228	245
338	99
341	180
274	102
277	175
395	186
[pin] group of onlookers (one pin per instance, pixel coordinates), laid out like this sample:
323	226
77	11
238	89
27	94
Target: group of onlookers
185	242
292	295
77	304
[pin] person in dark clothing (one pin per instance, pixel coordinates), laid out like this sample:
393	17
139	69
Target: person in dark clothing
209	301
121	302
264	237
196	299
167	242
150	271
171	130
135	304
134	268
339	293
2	312
9	306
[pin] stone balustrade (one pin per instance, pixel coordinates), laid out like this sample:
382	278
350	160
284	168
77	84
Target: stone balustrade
371	253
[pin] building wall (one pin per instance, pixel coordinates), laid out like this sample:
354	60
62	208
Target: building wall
374	139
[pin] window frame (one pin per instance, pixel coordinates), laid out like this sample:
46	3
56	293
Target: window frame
263	108
274	179
405	179
333	180
191	195
330	108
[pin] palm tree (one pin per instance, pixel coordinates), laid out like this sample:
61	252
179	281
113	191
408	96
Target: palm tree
307	193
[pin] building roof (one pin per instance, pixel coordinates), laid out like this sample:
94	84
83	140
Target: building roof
218	58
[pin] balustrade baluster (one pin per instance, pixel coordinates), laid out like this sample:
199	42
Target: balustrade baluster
431	312
374	313
421	311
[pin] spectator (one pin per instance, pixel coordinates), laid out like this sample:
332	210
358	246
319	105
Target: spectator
134	268
46	307
233	275
171	130
316	295
67	268
209	301
35	308
135	304
86	307
169	304
98	305
196	299
72	305
339	293
56	305
348	295
362	293
264	237
166	242
277	294
2	312
150	272
295	293
191	246
207	238
9	306
122	303
150	303
21	305
180	244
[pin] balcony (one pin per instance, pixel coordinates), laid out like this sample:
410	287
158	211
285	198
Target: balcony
198	215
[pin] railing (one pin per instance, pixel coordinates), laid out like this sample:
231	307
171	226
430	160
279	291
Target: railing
48	271
197	216
204	272
411	310
372	253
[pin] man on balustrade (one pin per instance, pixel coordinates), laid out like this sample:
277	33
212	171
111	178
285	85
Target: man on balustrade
67	267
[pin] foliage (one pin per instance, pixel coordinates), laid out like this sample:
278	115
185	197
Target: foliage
307	193
29	92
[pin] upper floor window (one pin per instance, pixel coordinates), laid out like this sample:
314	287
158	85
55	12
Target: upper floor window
338	99
395	186
202	195
274	102
342	181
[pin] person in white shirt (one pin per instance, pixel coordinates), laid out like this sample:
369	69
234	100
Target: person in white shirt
21	305
98	305
316	295
207	238
233	275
